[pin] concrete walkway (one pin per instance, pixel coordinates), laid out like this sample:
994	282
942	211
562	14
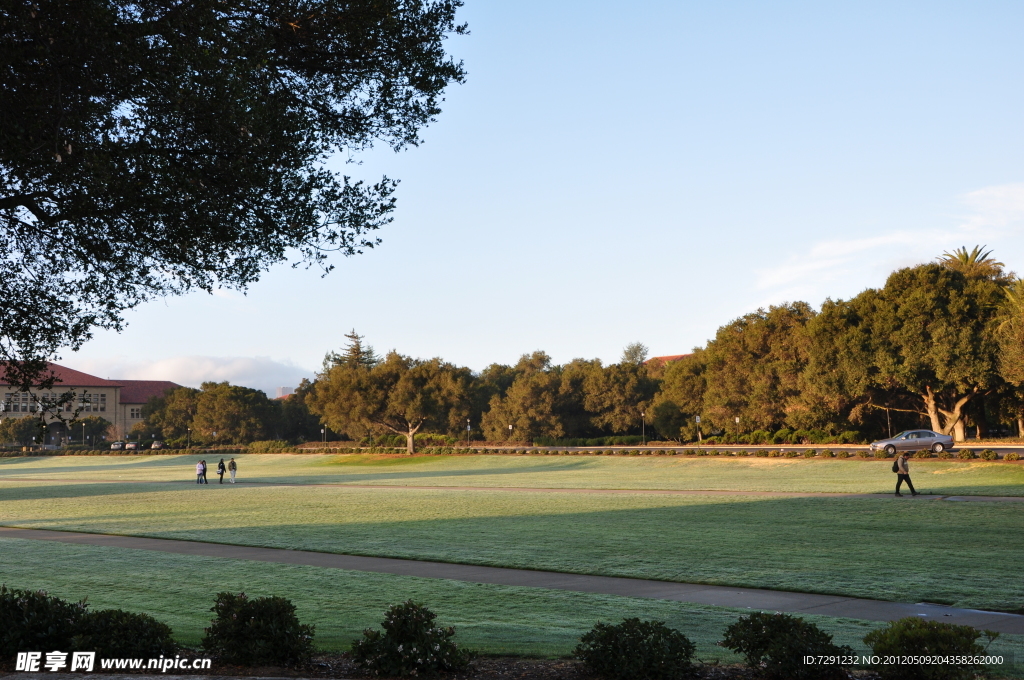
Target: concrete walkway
721	596
548	489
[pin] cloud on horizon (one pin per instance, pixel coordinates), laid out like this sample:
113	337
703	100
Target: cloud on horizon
261	373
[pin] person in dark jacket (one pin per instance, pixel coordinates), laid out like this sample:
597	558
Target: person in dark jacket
903	475
205	480
221	470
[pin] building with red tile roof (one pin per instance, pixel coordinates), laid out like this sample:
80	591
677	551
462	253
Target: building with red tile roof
119	401
669	358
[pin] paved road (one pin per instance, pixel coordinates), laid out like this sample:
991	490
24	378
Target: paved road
742	598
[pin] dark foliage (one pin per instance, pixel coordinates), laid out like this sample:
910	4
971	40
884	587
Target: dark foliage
33	620
778	643
152	148
261	631
912	636
636	650
409	645
117	633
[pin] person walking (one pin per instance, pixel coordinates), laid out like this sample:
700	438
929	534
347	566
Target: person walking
903	474
221	470
205	480
199	472
232	468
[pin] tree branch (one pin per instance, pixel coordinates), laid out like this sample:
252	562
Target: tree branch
26	201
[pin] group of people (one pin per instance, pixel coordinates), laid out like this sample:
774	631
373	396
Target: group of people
231	467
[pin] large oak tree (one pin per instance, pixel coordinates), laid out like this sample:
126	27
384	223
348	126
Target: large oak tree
927	339
151	148
400	395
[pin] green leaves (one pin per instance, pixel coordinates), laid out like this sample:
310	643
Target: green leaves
191	140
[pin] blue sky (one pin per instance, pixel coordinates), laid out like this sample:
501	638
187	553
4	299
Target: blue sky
646	172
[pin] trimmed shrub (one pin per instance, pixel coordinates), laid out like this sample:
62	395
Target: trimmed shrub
636	650
117	633
827	453
258	632
792	454
272	446
775	454
761	454
946	454
922	454
863	453
843	454
33	620
743	453
409	645
880	453
989	454
965	454
1012	455
776	644
810	453
913	636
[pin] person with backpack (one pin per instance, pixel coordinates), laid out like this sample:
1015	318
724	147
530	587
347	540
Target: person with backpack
221	470
902	469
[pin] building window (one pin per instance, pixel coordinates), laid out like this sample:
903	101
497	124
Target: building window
103	403
136	413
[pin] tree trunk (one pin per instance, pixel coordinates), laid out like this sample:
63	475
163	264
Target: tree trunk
1020	425
959	430
410	441
933	410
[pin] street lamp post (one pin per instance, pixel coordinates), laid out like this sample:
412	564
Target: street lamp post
467	431
510	432
643	429
188	438
323	435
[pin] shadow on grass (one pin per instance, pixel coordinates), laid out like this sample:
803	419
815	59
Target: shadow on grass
880	549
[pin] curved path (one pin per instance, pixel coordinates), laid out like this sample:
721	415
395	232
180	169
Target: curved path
721	596
545	489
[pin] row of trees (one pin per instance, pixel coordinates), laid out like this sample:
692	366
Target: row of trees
941	345
221	413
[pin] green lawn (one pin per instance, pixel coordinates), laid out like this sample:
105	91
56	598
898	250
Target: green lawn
908	550
597	472
179	590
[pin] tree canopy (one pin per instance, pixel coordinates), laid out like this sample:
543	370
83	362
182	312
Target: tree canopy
400	395
154	148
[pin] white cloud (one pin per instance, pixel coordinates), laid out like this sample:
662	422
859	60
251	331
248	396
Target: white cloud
996	209
262	373
995	217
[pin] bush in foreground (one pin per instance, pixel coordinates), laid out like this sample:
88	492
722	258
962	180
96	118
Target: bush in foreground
261	631
912	636
965	454
33	620
409	645
1012	455
636	650
777	644
117	633
989	454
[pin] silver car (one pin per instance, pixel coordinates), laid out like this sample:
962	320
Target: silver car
915	440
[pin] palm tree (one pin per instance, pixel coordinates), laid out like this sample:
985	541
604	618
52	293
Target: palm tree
973	264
